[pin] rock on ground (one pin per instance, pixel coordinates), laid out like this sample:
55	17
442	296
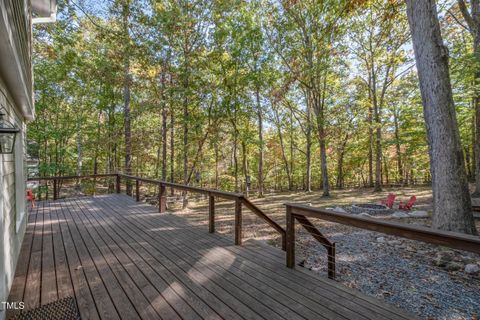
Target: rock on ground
381	239
472	268
404	273
400	214
418	214
364	214
443	258
339	209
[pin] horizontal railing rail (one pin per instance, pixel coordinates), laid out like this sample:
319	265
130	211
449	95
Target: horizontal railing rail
301	213
218	193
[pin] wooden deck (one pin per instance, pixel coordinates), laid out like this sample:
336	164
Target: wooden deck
123	260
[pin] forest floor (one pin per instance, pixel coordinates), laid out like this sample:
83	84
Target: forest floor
427	280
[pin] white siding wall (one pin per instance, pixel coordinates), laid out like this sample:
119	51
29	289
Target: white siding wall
12	200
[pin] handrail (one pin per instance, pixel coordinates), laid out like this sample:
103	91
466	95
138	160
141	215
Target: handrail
223	194
414	232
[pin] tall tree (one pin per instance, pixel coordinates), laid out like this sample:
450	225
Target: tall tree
451	198
304	38
126	92
378	40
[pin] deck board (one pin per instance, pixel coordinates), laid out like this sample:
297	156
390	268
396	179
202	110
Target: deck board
123	260
48	292
18	286
31	295
292	287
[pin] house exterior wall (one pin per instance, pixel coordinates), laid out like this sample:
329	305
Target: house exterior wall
12	199
16	101
16	53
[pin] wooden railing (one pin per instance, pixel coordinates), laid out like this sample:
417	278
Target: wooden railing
238	198
301	213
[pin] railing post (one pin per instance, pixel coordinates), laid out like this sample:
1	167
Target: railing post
118	183
211	213
137	190
290	235
162	199
238	221
331	261
54	189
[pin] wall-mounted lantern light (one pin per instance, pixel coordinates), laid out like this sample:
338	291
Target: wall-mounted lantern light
7	134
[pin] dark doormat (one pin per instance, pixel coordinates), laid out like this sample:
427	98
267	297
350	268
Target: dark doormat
64	309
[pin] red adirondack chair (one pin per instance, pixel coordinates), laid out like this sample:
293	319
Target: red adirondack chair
390	200
31	197
409	204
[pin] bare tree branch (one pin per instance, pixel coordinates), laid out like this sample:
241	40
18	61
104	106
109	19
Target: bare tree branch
457	20
466	15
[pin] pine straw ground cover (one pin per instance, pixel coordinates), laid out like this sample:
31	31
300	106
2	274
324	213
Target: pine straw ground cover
427	280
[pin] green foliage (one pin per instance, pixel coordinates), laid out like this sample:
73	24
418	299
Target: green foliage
204	62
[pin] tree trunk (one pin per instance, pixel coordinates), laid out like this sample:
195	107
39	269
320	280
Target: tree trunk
172	148
282	147
370	146
79	148
474	152
111	148
341	155
451	198
468	163
318	103
291	148
319	107
235	148
164	143
185	142
235	162
245	166
385	170
164	128
397	147
95	156
128	133
260	143
126	96
308	146
216	163
378	148
340	180
157	163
